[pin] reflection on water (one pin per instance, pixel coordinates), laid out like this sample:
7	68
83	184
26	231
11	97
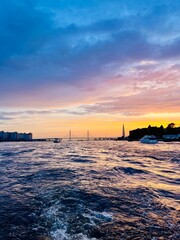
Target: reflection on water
89	190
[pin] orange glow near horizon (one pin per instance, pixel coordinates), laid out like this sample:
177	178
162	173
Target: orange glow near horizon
81	67
99	126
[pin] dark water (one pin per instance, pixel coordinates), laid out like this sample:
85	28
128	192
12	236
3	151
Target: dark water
89	190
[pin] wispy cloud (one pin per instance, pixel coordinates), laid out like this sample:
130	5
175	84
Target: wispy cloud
66	55
139	104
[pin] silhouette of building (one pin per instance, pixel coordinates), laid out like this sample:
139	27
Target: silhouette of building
69	135
159	132
123	134
171	137
15	136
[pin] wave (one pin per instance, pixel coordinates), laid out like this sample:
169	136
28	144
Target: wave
130	170
82	160
176	160
88	190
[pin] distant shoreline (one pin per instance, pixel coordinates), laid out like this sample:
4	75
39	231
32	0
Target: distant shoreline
85	140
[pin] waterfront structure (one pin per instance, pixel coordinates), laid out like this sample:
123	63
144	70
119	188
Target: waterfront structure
123	132
171	137
15	136
69	135
88	135
168	133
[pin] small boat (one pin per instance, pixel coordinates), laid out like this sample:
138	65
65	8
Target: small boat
149	139
57	140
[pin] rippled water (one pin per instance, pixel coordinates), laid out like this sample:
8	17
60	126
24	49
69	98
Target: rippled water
89	190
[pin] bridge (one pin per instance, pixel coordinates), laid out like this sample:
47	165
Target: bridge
73	139
46	139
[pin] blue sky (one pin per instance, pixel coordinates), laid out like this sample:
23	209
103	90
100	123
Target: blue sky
89	56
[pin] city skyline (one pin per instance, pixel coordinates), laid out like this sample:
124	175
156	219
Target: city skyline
88	65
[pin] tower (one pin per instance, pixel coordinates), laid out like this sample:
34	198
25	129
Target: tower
69	135
88	135
123	132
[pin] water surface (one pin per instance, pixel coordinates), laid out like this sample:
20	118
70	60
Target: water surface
89	190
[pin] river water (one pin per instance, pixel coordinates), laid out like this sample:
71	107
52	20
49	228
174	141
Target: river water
82	190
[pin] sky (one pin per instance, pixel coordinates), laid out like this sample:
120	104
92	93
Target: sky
88	65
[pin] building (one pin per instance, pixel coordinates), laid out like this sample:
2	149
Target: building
171	137
15	136
123	134
160	132
1	135
27	136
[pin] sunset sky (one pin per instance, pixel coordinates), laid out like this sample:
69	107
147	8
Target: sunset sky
88	65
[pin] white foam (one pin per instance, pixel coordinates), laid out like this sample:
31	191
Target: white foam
59	234
62	235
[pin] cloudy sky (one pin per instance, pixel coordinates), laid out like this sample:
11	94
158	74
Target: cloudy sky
88	64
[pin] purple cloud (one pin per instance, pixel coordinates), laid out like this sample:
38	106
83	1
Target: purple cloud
51	57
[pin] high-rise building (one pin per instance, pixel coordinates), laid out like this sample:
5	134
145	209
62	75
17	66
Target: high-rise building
15	136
